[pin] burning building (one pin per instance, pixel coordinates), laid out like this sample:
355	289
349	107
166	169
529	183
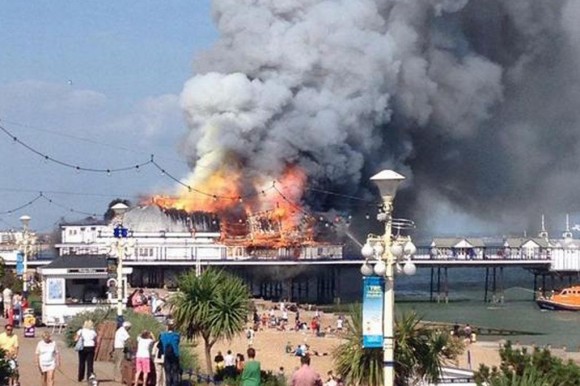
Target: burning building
255	213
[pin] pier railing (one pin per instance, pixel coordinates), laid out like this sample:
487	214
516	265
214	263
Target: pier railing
487	253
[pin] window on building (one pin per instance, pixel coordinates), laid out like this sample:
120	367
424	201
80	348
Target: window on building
145	252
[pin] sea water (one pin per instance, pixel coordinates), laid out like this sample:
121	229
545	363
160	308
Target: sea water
518	312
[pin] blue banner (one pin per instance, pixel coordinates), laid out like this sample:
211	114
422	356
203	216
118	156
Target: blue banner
372	312
19	263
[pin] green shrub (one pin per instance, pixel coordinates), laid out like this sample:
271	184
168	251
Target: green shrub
5	370
139	322
267	378
35	302
76	323
522	368
188	359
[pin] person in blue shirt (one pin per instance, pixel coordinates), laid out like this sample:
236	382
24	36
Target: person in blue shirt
170	347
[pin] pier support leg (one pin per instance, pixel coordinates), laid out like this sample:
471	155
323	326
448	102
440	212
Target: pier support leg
543	284
486	284
446	286
501	295
494	286
535	286
431	284
333	294
438	284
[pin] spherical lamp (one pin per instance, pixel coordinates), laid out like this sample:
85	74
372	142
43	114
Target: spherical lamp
409	268
397	250
367	251
366	269
380	268
410	248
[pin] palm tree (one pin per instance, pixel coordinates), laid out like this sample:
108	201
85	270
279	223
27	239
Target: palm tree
420	352
213	306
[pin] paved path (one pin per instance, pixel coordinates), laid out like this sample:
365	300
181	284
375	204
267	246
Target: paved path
66	375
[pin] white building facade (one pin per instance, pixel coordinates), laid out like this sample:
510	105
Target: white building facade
159	247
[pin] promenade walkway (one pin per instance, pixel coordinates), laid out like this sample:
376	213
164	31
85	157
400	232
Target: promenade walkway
66	375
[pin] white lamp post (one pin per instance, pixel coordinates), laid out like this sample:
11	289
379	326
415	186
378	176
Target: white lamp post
25	220
388	256
120	234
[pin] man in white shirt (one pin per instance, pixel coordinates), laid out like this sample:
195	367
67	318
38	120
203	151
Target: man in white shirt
121	337
230	364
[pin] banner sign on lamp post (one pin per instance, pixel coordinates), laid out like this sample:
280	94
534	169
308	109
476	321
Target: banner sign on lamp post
19	263
372	313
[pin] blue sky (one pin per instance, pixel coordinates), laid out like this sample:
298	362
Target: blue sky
94	84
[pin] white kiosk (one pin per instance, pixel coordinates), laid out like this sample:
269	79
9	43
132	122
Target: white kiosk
76	283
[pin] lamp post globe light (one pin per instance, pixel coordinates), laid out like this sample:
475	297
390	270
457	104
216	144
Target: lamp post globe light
25	220
389	253
119	248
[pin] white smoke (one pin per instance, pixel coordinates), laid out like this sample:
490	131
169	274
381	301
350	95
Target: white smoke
342	88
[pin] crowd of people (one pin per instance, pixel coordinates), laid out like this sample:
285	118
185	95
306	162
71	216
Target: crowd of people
159	357
278	319
230	366
233	365
12	306
466	333
142	303
46	358
163	352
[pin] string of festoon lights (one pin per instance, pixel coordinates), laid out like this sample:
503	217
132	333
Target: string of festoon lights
136	167
308	216
152	162
42	196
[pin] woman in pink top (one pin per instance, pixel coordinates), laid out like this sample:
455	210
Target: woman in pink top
143	357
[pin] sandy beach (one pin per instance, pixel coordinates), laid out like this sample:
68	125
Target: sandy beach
270	346
270	343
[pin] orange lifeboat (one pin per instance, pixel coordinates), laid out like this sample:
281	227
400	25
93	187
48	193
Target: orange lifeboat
567	299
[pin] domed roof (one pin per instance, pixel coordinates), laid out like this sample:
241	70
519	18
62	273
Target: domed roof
151	219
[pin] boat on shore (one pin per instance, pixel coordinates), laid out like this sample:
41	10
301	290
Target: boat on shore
567	299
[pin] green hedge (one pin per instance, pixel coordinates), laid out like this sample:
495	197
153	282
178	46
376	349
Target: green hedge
139	322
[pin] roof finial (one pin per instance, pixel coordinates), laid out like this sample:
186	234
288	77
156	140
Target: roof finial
543	234
567	234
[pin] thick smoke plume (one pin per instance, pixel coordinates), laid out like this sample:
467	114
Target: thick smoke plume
477	102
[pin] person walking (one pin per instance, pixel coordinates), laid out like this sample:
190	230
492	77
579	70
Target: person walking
158	360
250	335
2	301
143	357
87	354
9	343
305	375
251	375
121	337
47	359
170	347
7	300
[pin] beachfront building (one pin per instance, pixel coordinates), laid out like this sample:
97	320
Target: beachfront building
74	284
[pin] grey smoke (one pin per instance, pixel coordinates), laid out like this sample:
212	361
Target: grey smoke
476	102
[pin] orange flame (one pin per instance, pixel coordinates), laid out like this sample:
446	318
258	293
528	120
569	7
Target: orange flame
262	210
